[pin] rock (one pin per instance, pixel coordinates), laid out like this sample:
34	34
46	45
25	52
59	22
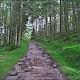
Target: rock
27	70
54	66
20	63
13	73
12	78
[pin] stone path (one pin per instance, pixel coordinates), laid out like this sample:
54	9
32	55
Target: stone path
36	64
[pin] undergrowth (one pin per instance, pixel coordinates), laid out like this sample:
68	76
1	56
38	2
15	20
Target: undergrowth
66	53
9	58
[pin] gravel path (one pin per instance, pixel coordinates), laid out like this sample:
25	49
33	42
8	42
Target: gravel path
36	64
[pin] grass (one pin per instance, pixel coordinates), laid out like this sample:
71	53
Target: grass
9	58
67	55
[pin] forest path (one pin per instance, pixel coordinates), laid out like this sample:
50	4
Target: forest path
36	64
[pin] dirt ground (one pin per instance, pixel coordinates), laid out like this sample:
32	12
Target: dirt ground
36	64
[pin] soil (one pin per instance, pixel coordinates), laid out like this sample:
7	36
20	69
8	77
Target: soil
36	64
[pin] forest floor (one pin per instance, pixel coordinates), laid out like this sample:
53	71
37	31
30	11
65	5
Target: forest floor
8	59
36	64
66	53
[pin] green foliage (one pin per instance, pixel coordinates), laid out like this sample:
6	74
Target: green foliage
72	74
54	44
57	45
72	56
66	53
9	58
10	47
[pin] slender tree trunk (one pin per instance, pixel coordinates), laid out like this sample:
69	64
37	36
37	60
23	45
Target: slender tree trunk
78	21
60	16
73	17
66	19
46	26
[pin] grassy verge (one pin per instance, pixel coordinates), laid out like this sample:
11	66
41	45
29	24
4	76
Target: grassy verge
9	58
66	53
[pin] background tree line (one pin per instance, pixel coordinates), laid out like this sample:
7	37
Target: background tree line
12	20
52	18
57	17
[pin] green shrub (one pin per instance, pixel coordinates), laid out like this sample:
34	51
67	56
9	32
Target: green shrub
57	45
10	47
72	56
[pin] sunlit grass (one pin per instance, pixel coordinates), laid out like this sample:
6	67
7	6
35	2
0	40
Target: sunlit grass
9	58
58	50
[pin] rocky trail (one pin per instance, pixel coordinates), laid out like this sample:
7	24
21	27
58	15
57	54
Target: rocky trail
36	64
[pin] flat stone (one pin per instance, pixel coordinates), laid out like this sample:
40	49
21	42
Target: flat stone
13	73
54	66
12	78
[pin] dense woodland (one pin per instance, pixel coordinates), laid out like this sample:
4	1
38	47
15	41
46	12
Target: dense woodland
52	17
12	21
55	24
63	19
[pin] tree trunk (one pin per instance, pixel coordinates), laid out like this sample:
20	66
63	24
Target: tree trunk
66	19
